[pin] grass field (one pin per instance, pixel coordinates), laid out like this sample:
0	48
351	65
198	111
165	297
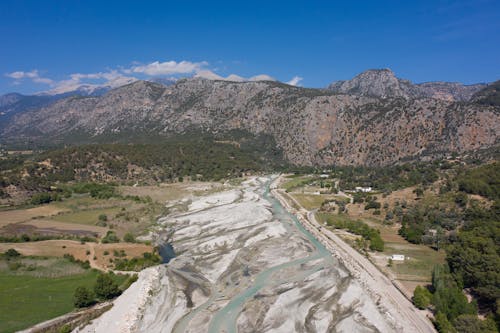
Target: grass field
294	182
309	201
26	300
418	268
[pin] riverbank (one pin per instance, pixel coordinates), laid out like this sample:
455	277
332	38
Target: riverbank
386	292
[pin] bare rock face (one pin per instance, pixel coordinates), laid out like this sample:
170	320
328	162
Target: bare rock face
449	91
383	83
311	126
375	82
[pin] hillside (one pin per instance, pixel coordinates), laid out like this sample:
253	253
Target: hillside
310	126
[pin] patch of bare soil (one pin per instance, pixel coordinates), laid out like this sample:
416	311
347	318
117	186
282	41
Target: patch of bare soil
21	215
85	251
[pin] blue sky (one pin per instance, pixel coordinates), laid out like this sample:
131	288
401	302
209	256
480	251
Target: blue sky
55	44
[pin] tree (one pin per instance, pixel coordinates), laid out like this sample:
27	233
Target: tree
103	217
451	301
442	324
82	297
448	297
376	242
421	297
472	324
105	287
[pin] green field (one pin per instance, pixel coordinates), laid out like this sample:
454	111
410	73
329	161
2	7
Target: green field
309	201
419	266
295	182
26	300
422	258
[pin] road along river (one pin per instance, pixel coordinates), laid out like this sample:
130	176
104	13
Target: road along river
245	264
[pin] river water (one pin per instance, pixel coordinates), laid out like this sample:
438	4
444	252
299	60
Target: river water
225	319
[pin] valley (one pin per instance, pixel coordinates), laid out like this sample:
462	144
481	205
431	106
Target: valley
241	260
390	191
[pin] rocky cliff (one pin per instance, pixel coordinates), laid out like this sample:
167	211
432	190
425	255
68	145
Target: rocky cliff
311	126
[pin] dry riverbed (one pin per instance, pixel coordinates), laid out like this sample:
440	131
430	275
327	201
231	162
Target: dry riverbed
244	264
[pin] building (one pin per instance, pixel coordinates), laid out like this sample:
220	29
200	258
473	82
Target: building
397	257
363	189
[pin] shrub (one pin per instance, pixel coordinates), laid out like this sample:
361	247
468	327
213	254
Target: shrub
131	279
65	329
41	198
461	199
82	297
137	264
14	266
110	237
129	238
120	253
105	287
419	192
373	204
11	253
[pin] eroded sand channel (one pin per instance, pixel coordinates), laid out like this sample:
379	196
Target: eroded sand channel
244	265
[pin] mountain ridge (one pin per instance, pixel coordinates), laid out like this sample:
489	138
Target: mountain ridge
384	83
322	127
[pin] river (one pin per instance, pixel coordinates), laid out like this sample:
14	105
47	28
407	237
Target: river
244	264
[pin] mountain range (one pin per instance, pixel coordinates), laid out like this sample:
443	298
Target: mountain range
373	119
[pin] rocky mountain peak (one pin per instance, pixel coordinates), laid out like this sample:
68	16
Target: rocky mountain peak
374	82
383	83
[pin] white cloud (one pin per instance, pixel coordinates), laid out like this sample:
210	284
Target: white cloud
294	81
209	75
120	76
262	77
168	68
33	76
111	79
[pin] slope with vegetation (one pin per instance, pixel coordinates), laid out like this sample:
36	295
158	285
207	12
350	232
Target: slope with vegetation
310	126
448	212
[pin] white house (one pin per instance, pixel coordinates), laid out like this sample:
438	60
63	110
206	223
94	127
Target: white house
363	189
397	257
324	176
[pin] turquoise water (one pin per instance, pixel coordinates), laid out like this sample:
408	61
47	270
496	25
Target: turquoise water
225	319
